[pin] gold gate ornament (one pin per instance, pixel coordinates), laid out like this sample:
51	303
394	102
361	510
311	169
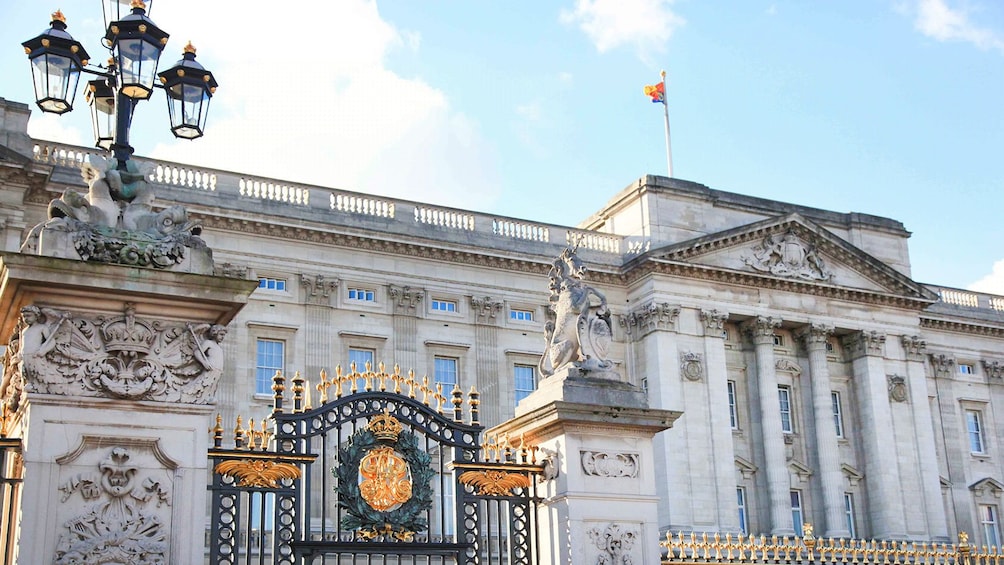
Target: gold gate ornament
385	481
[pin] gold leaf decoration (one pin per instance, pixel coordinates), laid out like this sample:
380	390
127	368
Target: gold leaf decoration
257	473
494	483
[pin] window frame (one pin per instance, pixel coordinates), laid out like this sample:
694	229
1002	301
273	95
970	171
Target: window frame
787	423
435	372
516	381
434	302
968	369
990	524
838	413
742	503
259	366
514	312
797	509
849	514
977	435
263	284
369	294
733	400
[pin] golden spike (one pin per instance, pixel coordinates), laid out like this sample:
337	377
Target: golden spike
307	404
425	390
439	397
411	383
396	377
322	388
252	440
238	433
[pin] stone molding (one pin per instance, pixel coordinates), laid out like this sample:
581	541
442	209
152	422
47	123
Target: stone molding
405	299
317	289
610	464
760	330
865	343
897	388
486	309
714	322
650	317
231	270
691	366
616	544
788	366
943	365
914	347
993	368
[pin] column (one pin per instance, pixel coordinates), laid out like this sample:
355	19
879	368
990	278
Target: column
723	449
915	349
956	452
885	498
317	330
814	338
486	360
760	330
405	301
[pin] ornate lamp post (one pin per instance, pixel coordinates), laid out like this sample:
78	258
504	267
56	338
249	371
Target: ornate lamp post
135	43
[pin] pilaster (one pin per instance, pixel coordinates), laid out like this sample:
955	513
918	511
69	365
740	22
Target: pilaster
722	448
486	357
405	301
317	331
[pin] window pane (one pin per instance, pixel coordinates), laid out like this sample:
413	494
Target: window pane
796	511
975	428
838	419
733	414
444	305
270	358
743	518
988	519
524	381
446	372
784	398
361	357
849	512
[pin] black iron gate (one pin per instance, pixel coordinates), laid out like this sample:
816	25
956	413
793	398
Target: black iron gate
387	471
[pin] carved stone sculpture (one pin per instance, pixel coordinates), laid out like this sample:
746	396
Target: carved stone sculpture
606	464
581	332
115	222
787	255
615	543
112	356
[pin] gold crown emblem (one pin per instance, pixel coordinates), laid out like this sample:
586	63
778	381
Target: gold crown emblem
385	427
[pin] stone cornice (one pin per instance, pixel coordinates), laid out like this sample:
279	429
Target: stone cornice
961	327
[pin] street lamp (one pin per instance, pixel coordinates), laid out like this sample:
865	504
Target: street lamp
135	43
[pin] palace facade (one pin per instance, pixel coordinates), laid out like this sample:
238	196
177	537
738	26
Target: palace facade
819	383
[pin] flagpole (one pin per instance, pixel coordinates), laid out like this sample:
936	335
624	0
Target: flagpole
665	109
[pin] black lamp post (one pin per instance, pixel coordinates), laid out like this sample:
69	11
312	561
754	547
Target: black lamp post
136	44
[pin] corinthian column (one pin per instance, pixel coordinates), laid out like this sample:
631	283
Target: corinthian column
814	338
761	332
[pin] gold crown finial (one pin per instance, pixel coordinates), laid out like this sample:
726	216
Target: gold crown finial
385	427
189	48
58	16
138	4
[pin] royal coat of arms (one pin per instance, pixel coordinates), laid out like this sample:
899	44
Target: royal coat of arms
384	482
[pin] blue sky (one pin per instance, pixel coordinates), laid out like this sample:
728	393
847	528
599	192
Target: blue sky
535	109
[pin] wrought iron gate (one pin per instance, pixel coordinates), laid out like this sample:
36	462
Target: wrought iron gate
387	471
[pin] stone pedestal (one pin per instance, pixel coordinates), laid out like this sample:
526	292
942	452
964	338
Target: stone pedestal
600	506
114	380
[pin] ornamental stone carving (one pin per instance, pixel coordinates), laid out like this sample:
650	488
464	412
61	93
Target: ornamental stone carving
761	329
943	365
650	317
616	544
405	299
112	356
486	308
579	336
865	343
231	271
814	336
788	366
714	322
993	369
115	223
611	465
914	347
123	518
897	388
787	255
692	366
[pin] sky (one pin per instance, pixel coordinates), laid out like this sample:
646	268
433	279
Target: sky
535	109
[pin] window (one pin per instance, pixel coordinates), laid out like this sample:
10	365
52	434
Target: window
784	398
849	513
829	347
446	372
974	426
361	294
521	315
272	284
444	305
967	369
733	413
988	519
743	514
838	417
725	334
778	340
797	517
361	357
524	381
270	358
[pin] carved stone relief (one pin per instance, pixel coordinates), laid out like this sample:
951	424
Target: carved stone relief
112	356
230	270
692	366
405	299
317	288
787	255
897	388
608	464
914	347
788	366
993	369
714	322
486	308
943	365
615	543
650	317
117	515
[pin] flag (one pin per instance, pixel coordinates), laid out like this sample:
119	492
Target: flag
657	92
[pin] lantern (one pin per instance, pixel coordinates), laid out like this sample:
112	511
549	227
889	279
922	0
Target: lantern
136	44
188	86
56	61
101	99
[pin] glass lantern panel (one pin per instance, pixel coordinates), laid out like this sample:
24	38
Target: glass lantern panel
55	82
188	105
137	67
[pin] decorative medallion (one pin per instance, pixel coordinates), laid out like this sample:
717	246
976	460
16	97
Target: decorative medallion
384	482
897	388
257	473
494	483
691	366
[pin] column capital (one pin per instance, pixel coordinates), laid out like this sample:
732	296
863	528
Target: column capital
317	288
914	347
714	322
942	364
405	299
761	329
865	343
993	368
814	335
650	317
486	309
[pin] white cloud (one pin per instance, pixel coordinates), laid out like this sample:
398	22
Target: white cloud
309	99
992	283
935	19
48	126
645	25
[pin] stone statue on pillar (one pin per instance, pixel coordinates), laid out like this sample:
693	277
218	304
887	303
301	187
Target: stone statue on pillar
579	336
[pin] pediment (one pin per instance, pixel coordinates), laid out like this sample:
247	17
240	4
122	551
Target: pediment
987	486
793	249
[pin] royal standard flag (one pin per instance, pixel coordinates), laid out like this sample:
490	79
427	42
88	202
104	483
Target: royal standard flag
657	92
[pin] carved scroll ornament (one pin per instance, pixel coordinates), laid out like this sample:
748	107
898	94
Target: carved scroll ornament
605	464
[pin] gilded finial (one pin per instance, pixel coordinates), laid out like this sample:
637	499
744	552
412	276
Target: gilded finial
138	4
189	48
58	16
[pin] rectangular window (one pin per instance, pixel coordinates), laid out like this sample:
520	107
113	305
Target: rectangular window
988	519
784	398
967	369
361	294
725	335
272	284
829	347
446	372
361	357
974	425
778	340
444	305
271	356
849	513
521	315
524	381
743	514
838	416
797	518
733	412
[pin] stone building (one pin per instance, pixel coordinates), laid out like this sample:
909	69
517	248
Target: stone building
818	381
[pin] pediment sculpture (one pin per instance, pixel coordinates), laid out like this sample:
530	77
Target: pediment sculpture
579	336
116	222
788	255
